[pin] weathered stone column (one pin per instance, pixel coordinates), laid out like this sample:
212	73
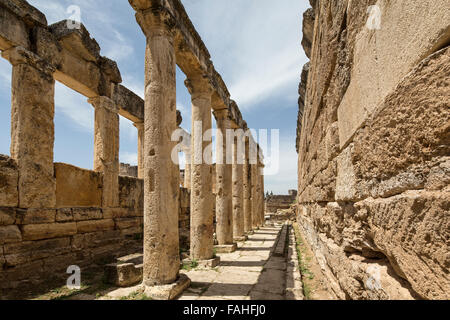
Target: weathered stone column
224	197
106	148
187	172
254	198
202	223
32	127
238	188
263	213
141	136
247	180
161	177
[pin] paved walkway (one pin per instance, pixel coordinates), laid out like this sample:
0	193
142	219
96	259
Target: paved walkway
253	272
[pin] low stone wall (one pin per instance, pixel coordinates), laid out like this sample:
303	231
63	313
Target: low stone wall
275	203
38	245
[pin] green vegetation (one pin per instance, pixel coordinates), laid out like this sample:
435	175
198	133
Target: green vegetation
303	263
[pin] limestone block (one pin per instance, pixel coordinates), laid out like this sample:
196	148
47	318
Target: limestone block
10	234
7	216
347	187
36	216
60	262
9	177
128	223
130	104
398	146
82	214
95	225
64	215
48	231
47	47
77	187
27	251
131	192
13	31
77	41
411	229
374	53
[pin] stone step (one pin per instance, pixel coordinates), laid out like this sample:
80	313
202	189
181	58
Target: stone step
127	271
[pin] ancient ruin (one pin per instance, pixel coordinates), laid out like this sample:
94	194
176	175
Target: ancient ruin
373	144
370	219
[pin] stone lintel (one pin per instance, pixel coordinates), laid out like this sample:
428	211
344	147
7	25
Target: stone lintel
20	55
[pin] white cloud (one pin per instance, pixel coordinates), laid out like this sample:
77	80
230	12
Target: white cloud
129	158
75	107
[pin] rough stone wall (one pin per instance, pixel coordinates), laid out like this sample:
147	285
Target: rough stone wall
374	151
128	170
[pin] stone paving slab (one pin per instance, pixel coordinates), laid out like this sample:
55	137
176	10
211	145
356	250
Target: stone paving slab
250	273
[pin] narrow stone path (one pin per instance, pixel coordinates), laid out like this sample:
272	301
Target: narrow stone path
265	267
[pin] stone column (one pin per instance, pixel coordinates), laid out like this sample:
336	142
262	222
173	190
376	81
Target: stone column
254	193
263	213
106	148
141	136
161	176
32	127
247	180
187	172
202	219
224	197
238	189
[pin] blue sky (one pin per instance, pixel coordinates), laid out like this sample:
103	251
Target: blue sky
254	44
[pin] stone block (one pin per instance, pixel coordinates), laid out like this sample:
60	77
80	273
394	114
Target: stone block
64	215
13	31
48	231
77	187
131	192
7	216
35	216
95	225
9	176
375	57
83	214
128	223
10	234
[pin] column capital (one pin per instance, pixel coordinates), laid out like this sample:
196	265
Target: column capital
154	20
139	125
104	102
199	85
222	114
20	55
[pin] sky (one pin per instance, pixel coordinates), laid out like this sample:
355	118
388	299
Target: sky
254	44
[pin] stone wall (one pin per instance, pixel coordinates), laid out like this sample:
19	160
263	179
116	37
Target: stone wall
38	245
279	202
373	143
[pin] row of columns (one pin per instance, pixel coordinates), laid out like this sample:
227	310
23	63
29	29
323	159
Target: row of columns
238	184
33	132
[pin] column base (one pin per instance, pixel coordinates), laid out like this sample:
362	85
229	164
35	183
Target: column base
241	239
169	291
226	248
206	264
